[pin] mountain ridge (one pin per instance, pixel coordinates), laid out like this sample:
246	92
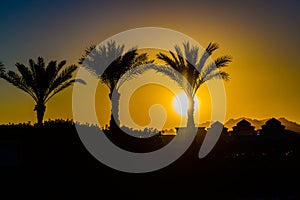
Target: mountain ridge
289	125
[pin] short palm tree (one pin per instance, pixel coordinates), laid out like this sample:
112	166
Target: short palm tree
41	82
116	63
1	68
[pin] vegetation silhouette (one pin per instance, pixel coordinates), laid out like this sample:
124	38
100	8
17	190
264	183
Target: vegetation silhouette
41	82
116	63
269	158
251	164
61	135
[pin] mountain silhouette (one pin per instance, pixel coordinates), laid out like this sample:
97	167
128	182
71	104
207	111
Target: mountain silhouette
289	125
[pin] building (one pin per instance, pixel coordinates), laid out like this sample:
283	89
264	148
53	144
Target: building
272	127
243	127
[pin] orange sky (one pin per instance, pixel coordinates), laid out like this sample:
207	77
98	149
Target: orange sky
262	38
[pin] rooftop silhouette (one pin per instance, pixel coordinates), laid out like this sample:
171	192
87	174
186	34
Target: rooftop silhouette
243	127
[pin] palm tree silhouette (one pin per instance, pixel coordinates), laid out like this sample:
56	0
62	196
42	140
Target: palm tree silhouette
1	68
194	70
41	82
116	63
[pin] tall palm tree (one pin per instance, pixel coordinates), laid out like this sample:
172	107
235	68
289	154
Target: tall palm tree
116	63
41	82
194	70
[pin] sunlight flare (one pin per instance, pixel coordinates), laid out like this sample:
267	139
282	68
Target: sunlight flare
181	104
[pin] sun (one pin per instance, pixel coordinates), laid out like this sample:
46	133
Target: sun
181	104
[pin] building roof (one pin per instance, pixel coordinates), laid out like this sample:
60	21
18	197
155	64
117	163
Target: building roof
243	122
273	122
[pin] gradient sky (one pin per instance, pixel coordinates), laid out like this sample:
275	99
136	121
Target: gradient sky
262	37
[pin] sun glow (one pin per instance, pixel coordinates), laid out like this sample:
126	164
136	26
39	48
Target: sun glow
181	104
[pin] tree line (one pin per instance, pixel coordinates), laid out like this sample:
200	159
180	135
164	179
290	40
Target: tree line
43	81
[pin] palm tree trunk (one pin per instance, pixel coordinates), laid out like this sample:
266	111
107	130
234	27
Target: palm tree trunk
40	111
115	100
190	122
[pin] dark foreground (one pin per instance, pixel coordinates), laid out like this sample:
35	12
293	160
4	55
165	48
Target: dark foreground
52	159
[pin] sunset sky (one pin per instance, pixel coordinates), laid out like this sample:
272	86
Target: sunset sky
262	37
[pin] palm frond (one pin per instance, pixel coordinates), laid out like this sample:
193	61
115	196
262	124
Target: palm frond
195	70
114	50
199	81
18	81
26	74
126	62
208	70
1	68
87	51
178	51
185	62
141	59
98	58
193	74
60	88
177	67
41	62
40	77
51	72
217	75
200	65
162	69
134	72
66	73
212	47
32	67
224	75
220	62
191	53
223	61
60	65
208	51
172	61
182	63
171	73
62	77
135	69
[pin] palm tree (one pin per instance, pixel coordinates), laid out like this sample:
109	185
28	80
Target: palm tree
1	68
116	63
194	70
41	82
